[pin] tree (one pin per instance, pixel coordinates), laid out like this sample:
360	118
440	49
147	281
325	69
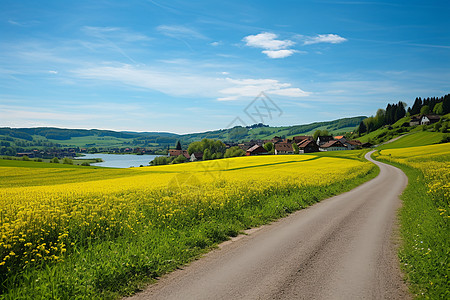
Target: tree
415	109
362	128
55	160
178	147
319	132
207	154
268	146
159	160
446	104
234	152
295	147
425	110
179	159
438	108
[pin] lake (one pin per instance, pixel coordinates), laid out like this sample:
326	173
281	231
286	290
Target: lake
120	160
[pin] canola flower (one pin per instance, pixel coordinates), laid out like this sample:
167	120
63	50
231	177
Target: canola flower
44	222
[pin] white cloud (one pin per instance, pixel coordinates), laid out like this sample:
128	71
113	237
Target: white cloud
274	48
279	53
324	38
267	40
215	44
252	87
176	31
53	72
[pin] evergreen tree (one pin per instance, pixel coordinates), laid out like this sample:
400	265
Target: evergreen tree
362	128
446	104
415	109
178	147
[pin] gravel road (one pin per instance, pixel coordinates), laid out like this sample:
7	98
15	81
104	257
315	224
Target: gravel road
341	248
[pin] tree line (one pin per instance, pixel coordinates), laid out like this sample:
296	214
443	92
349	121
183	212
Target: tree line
397	111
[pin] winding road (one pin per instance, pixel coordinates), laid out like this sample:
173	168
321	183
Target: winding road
340	248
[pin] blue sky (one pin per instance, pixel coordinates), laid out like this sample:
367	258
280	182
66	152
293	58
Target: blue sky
189	66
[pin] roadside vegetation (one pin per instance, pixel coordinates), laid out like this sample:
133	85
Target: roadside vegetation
424	217
72	238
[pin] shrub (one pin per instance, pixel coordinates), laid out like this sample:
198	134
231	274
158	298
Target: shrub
67	161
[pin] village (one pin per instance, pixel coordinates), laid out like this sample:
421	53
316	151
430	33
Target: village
284	146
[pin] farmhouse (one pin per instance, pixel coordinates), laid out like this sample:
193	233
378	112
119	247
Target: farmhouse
415	120
173	152
332	146
256	150
283	148
353	144
300	138
196	156
307	146
429	119
321	140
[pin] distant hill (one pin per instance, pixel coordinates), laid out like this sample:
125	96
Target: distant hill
44	137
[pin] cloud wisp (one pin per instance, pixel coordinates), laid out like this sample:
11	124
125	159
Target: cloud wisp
176	83
323	38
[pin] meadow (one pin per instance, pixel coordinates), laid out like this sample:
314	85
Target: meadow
424	217
83	232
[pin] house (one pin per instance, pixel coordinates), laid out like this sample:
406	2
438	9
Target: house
245	145
256	150
338	137
28	154
276	139
353	144
196	156
332	146
185	153
321	140
283	148
307	146
415	120
300	138
429	119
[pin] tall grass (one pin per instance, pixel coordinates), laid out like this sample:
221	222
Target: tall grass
424	218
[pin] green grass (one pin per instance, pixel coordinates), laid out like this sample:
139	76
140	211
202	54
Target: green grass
420	138
425	250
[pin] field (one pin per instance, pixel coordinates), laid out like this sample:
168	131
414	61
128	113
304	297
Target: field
425	217
100	233
420	138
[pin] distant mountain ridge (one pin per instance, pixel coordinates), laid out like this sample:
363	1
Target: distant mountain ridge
61	137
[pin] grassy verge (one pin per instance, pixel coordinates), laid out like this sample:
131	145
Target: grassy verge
425	232
108	269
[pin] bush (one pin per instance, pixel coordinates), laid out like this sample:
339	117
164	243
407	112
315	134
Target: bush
234	152
179	159
25	158
67	161
86	164
55	160
160	160
445	138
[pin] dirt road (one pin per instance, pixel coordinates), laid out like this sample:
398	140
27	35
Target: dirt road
340	248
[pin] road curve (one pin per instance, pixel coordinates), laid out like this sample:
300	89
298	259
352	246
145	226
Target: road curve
340	248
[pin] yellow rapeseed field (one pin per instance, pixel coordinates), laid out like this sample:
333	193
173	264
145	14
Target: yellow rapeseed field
434	162
42	220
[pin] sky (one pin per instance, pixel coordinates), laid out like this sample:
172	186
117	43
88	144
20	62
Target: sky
192	66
